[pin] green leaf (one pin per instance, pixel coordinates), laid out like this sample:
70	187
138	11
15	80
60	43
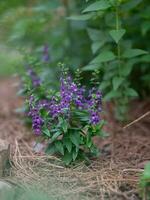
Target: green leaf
51	149
89	140
55	136
47	132
75	138
68	144
130	5
128	66
117	34
94	34
117	82
74	155
99	5
98	37
59	147
130	53
104	85
104	57
88	132
81	17
97	45
81	116
131	93
91	67
146	173
46	6
65	126
67	158
95	151
112	94
102	123
145	27
146	13
145	58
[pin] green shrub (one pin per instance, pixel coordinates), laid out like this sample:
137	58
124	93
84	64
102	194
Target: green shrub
67	118
145	182
118	31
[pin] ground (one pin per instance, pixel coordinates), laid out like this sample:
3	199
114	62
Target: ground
115	175
11	126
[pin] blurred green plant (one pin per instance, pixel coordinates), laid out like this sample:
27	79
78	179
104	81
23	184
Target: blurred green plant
116	45
10	61
31	25
145	183
24	194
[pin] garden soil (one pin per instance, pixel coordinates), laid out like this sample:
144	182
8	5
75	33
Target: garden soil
115	175
11	126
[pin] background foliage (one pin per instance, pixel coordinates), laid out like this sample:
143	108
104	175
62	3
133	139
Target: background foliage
111	35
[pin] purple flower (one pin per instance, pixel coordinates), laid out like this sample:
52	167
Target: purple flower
80	100
94	104
66	92
71	96
43	104
46	56
37	131
36	82
37	121
94	117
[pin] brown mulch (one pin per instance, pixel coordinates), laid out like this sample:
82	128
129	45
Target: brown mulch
116	172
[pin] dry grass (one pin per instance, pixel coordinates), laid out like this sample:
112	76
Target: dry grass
104	177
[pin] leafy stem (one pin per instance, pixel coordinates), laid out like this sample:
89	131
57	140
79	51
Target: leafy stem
118	45
68	25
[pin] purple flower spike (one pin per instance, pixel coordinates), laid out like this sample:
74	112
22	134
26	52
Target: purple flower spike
36	82
37	121
94	104
34	78
46	56
94	118
37	132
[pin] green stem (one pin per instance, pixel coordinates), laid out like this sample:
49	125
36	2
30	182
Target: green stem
118	45
68	25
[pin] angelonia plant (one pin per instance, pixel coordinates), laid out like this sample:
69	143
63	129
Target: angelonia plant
67	119
37	72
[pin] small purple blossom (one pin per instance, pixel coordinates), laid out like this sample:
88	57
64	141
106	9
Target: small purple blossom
34	78
37	121
94	104
43	104
94	117
80	100
46	56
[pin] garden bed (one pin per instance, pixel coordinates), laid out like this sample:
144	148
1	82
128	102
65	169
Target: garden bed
114	175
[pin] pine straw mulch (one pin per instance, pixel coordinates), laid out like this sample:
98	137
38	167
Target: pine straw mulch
114	176
103	179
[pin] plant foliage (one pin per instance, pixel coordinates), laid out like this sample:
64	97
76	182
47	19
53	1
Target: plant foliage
67	118
117	49
145	182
